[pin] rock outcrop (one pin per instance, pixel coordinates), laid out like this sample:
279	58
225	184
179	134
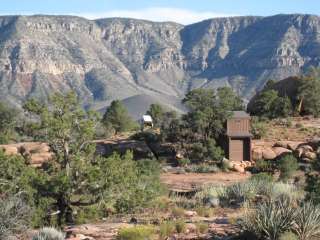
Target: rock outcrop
305	151
35	153
117	58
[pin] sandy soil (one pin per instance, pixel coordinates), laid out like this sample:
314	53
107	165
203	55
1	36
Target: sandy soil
192	181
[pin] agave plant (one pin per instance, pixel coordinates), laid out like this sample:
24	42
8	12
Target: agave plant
49	233
307	222
270	219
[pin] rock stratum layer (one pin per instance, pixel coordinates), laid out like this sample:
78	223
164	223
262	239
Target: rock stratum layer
117	58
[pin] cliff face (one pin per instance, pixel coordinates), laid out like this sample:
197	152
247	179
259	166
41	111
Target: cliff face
119	58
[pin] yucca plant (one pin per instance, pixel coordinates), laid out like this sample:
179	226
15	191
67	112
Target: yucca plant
307	222
49	233
285	190
242	192
269	219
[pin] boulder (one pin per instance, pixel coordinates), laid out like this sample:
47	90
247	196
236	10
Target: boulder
190	214
38	158
257	153
239	168
268	154
315	141
318	151
246	164
191	228
83	237
9	150
306	147
293	145
282	144
280	151
306	160
302	150
309	155
226	162
212	202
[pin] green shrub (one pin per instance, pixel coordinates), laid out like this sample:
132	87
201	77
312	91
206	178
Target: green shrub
242	192
166	229
313	187
161	203
182	201
205	212
202	227
49	234
209	192
288	236
178	212
307	222
264	165
136	233
286	191
258	128
86	214
287	165
270	219
180	226
183	162
202	168
262	177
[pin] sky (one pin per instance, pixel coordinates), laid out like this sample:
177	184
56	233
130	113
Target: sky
181	11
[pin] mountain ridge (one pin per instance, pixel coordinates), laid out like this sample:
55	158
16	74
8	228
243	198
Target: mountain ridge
118	58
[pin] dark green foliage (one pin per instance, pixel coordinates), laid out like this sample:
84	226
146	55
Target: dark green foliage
76	180
208	151
287	165
264	165
313	187
8	120
309	93
208	111
229	100
269	104
171	128
156	111
16	176
68	130
117	118
196	132
127	184
258	128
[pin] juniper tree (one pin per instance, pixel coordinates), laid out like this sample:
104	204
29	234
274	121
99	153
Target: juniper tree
69	131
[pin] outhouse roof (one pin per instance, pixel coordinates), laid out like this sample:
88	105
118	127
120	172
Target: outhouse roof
240	114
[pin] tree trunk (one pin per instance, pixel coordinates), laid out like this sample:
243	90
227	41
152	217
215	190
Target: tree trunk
62	209
66	158
65	215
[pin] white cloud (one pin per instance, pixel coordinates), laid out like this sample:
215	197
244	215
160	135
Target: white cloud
178	15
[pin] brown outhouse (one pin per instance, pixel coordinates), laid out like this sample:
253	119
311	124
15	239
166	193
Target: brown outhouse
238	137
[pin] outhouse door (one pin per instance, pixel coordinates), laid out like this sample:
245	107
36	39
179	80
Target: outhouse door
236	150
